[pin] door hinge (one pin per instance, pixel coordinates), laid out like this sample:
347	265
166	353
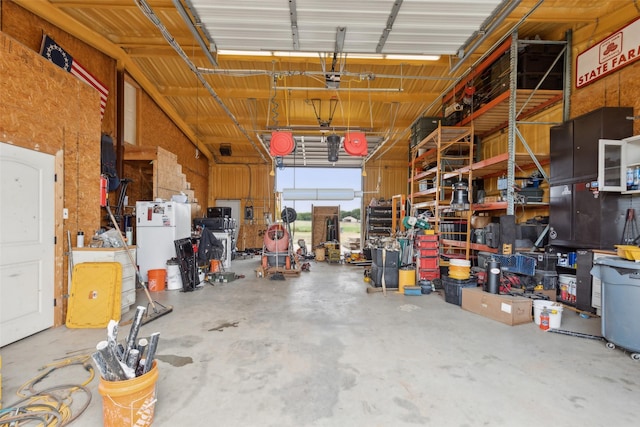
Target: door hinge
55	177
55	302
55	240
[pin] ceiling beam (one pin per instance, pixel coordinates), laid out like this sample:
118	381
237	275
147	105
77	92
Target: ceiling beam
559	15
193	92
209	50
50	13
363	122
111	4
151	41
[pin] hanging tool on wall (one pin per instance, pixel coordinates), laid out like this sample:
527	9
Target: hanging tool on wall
630	234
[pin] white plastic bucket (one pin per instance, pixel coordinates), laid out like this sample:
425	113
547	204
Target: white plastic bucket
569	281
555	312
174	279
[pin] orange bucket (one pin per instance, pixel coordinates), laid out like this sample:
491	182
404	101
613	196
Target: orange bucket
215	266
129	402
157	279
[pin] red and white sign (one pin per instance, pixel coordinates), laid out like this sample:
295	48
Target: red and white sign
611	54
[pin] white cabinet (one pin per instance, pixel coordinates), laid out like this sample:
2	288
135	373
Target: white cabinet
615	157
113	255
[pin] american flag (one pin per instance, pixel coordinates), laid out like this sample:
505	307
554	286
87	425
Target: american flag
54	53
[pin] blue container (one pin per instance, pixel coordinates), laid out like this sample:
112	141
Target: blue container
412	290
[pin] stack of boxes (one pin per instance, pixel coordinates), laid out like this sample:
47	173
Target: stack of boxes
427	254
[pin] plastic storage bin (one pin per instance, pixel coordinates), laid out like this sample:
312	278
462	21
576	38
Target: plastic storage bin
620	302
453	288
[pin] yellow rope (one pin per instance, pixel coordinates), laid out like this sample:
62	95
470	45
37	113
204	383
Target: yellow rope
51	406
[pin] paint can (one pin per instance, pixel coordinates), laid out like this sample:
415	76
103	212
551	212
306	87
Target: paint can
406	277
156	279
174	278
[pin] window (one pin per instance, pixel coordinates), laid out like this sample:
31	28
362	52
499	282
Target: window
130	112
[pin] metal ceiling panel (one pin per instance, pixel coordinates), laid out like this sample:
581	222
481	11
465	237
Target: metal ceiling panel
266	24
253	93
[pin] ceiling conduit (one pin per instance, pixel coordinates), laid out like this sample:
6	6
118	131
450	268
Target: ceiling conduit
148	12
484	33
205	49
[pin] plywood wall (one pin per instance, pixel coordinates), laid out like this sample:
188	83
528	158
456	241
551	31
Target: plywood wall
157	130
384	179
620	89
46	109
28	29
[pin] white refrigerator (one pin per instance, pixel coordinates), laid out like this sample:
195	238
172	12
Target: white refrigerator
158	224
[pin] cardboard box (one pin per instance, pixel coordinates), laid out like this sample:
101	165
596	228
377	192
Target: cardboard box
503	308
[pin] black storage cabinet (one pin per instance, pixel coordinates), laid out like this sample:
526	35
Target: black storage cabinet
578	218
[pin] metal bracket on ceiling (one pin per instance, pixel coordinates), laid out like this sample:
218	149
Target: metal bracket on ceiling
387	29
316	103
293	14
332	77
208	51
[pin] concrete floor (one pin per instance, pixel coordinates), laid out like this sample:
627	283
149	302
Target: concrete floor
317	350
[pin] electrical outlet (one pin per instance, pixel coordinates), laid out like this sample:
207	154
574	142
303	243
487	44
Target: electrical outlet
65	213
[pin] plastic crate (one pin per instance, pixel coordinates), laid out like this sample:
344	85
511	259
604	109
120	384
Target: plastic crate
544	260
428	274
426	241
453	288
517	263
428	263
428	252
424	185
547	278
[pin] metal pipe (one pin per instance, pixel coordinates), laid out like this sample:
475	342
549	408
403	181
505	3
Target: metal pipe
503	15
511	131
336	89
142	346
133	332
457	80
112	338
108	363
148	12
187	20
363	76
151	351
133	359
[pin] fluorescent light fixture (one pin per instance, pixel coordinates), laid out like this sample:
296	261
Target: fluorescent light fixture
320	194
300	54
245	52
286	54
295	54
394	57
412	57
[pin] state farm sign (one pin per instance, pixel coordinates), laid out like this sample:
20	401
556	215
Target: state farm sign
611	54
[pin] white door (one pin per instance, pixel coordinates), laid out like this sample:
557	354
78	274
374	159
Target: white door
26	242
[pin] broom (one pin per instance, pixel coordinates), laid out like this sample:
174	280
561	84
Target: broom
157	309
